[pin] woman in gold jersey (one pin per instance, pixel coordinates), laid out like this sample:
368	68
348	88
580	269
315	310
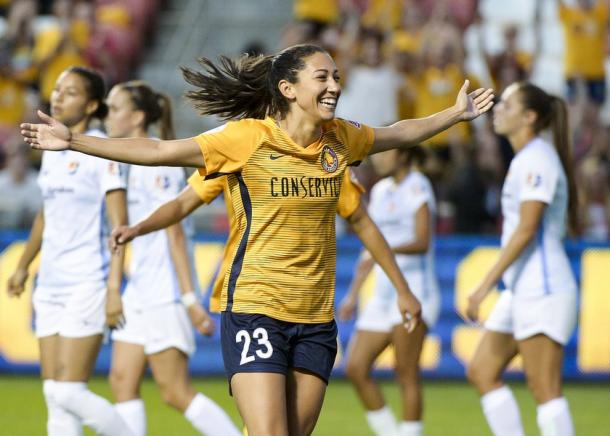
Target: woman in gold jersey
284	158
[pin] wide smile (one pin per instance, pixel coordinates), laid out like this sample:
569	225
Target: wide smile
329	103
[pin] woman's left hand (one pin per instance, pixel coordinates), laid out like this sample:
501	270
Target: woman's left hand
114	310
471	105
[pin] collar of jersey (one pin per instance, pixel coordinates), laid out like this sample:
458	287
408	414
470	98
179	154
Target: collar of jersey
312	149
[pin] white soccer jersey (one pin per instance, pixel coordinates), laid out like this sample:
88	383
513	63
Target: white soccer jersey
152	278
393	208
536	174
74	245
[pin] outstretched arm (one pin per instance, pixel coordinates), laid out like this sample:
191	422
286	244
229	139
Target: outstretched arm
55	136
407	133
374	242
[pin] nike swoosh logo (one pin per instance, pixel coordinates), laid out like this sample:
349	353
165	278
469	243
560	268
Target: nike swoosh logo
276	156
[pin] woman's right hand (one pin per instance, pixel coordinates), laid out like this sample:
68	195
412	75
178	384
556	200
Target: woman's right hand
50	135
474	303
122	235
347	308
16	282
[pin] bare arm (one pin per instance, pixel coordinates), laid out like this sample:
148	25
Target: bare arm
178	249
164	216
530	216
16	283
53	135
422	234
141	151
117	214
407	133
347	307
374	242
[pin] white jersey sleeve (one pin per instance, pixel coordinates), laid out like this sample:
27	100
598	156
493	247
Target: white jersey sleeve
167	185
537	179
113	175
420	192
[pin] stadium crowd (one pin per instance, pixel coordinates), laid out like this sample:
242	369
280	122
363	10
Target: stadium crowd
412	55
39	39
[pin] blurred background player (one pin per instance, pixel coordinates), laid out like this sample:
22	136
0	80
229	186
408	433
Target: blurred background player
78	285
161	293
403	206
537	316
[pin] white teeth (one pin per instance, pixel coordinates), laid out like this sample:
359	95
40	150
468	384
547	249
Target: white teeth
330	102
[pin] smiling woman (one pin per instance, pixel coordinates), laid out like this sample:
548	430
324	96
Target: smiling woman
278	333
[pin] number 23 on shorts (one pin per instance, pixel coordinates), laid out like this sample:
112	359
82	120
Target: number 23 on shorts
264	351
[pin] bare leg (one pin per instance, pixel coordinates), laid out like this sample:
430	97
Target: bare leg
170	371
305	396
492	356
542	359
364	348
261	400
127	369
59	421
408	348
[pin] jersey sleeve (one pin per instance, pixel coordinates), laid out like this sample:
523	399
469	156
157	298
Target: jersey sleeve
358	137
419	192
206	190
537	180
227	148
167	184
349	198
113	175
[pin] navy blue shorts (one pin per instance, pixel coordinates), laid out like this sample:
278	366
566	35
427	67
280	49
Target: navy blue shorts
258	343
596	89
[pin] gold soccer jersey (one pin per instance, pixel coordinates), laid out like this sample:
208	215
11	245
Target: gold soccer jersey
349	200
284	198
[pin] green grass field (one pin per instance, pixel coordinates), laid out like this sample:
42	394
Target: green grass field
452	408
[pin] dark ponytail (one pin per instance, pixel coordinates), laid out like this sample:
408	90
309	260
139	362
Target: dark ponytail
157	107
95	87
248	86
166	125
561	138
552	112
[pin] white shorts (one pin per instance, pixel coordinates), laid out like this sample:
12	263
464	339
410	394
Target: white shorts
382	315
157	328
553	315
500	319
71	311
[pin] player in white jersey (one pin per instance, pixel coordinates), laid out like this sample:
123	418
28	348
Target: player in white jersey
160	302
403	206
78	284
537	315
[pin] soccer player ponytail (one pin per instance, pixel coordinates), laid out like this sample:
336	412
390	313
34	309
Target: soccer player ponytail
157	107
246	87
552	112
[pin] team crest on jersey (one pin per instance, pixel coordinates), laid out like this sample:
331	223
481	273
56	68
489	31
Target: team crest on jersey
356	124
534	180
162	182
330	161
73	167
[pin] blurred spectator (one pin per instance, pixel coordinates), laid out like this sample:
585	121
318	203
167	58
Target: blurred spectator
584	29
58	46
20	196
369	74
511	64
